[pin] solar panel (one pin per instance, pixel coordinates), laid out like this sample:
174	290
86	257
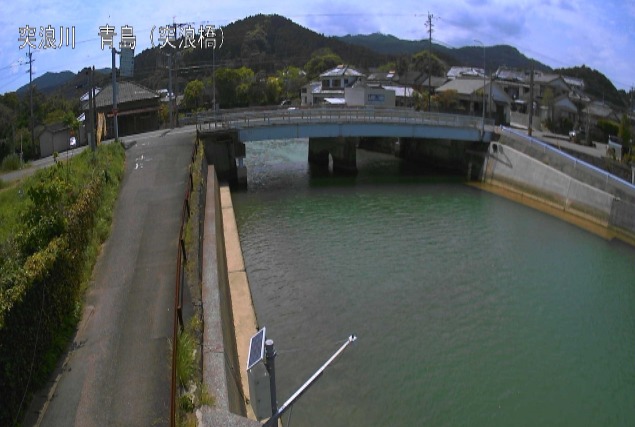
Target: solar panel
256	349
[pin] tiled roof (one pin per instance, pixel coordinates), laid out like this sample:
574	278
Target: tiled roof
341	70
126	92
462	86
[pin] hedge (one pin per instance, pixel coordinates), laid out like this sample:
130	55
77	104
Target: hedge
38	303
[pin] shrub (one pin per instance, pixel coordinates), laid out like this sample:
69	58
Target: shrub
11	163
45	266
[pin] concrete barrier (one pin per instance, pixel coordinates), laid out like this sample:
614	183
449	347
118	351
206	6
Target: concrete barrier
546	175
221	371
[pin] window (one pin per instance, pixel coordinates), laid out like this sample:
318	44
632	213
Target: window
375	98
326	83
336	83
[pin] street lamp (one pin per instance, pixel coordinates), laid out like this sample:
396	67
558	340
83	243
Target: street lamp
483	119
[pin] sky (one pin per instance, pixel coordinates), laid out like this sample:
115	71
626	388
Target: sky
597	33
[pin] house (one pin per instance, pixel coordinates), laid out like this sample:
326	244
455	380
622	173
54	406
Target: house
434	83
596	111
369	95
390	78
460	72
470	97
54	138
137	108
329	89
412	79
404	96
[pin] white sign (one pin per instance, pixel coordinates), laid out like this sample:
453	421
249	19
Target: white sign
73	141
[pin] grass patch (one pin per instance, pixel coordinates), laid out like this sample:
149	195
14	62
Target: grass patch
12	201
10	163
192	392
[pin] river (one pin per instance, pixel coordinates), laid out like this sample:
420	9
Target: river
470	310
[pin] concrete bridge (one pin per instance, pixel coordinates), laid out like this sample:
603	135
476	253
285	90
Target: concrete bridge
333	132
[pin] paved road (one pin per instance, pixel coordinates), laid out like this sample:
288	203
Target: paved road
118	372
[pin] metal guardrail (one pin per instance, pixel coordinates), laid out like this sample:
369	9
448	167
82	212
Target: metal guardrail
627	186
181	260
250	119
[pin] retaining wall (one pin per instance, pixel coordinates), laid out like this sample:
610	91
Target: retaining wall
220	359
546	174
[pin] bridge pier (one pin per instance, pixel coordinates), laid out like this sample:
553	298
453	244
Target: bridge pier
342	150
224	150
463	157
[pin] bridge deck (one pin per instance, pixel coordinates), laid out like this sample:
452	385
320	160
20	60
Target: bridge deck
334	122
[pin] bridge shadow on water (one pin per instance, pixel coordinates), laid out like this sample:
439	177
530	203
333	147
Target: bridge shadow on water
381	169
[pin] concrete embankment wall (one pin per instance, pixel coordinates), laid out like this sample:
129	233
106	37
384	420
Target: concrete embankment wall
221	370
547	175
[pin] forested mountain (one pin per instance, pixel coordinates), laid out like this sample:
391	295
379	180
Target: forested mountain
495	56
268	43
48	82
596	85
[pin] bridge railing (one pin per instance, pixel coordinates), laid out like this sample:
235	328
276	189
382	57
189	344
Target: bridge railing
278	117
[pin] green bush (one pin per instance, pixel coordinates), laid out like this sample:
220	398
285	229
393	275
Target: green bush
608	127
43	269
11	163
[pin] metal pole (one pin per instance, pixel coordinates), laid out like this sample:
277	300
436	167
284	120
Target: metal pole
286	405
270	355
114	94
30	55
531	101
170	88
489	99
91	110
483	118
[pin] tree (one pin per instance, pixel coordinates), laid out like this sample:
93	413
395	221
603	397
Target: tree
548	100
421	62
71	121
421	100
273	90
447	100
233	86
625	133
322	60
292	79
193	93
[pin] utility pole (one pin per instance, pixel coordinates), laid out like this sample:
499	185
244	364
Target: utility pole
531	100
30	56
176	75
430	26
483	100
114	93
91	109
170	92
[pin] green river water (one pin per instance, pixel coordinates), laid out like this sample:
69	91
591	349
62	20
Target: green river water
470	310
